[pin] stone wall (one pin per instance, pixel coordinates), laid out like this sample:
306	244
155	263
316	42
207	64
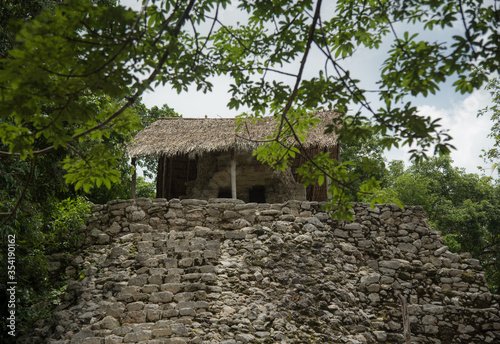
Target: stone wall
223	271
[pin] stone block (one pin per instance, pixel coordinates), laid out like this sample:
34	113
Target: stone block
432	309
80	336
135	317
185	262
92	340
170	313
172	287
193	202
114	309
103	238
407	247
151	262
162	332
137	336
135	306
109	323
381	336
235	235
440	251
183	297
207	269
187	312
150	288
137	215
365	243
113	339
155	279
431	329
370	279
172	278
140	228
186	304
462	328
176	340
162	296
138	281
191	276
374	298
179	329
429	320
245	338
230	214
122	331
387	272
118	251
373	288
340	233
153	315
115	228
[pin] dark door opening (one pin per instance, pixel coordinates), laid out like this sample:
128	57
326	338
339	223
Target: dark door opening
173	174
225	193
257	194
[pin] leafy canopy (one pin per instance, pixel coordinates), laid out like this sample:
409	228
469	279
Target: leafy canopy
464	207
492	155
77	51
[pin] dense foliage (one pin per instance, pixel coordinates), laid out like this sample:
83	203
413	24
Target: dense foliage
465	207
492	155
368	161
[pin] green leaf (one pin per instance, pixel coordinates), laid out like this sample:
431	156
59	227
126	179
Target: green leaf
321	180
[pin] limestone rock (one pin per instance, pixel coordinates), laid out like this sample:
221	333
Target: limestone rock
225	271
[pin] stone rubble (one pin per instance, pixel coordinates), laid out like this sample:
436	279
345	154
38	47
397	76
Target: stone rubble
224	271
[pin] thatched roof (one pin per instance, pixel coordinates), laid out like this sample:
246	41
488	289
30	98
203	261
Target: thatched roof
179	136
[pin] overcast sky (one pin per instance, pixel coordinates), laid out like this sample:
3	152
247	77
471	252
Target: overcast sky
458	112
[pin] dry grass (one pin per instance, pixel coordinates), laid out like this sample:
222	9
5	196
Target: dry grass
194	136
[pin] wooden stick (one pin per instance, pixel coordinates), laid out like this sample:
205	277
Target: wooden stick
169	188
406	318
233	174
163	178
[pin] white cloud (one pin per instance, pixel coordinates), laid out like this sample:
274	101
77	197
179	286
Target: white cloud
469	132
195	104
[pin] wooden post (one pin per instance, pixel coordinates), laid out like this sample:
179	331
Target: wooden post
233	174
170	169
406	318
163	178
134	179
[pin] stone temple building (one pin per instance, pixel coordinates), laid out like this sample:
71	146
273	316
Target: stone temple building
205	158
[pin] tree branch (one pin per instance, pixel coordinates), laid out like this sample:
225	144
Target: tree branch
467	33
131	100
112	58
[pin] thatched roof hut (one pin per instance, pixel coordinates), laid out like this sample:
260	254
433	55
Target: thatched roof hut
188	136
201	157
